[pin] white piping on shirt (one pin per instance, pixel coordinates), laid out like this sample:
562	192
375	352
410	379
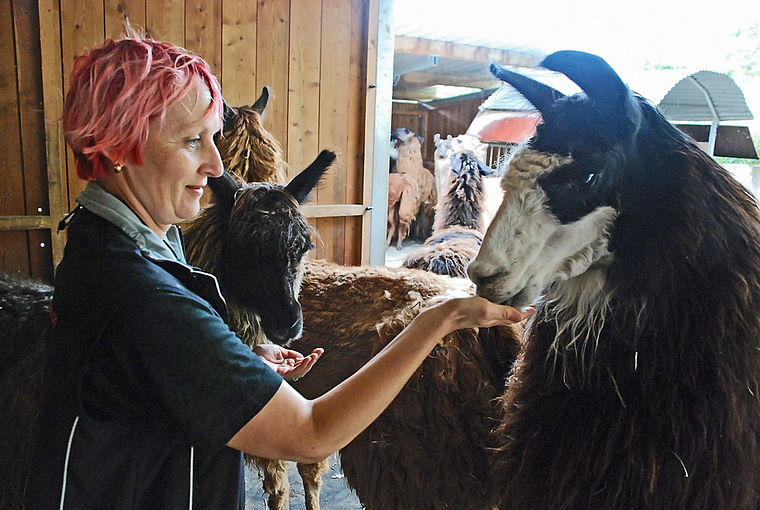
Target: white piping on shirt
66	463
192	456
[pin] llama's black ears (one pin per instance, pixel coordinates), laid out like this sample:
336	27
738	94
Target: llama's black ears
228	115
260	105
303	184
592	74
540	95
601	84
224	188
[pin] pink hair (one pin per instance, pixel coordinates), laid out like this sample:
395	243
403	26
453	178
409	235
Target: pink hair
117	89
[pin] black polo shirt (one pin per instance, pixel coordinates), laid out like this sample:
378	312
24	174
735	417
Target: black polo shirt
144	384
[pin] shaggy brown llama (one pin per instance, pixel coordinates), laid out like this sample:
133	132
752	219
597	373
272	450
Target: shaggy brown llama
639	382
352	312
458	228
431	448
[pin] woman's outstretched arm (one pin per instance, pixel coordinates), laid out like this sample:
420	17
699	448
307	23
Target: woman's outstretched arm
290	427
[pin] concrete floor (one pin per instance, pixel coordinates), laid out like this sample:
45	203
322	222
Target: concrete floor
394	257
335	493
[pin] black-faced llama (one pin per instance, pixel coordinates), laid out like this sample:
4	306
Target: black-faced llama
638	385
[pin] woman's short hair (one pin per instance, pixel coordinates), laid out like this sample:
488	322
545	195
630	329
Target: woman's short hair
117	89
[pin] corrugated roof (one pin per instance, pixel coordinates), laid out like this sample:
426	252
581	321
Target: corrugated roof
704	96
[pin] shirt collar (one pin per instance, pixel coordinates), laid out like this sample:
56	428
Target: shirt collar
98	201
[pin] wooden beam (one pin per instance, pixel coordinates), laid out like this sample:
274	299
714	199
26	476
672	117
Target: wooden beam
426	79
24	222
333	211
419	46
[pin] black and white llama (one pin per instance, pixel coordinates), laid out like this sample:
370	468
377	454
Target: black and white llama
639	381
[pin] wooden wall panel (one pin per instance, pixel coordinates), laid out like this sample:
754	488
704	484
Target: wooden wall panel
120	12
239	49
357	113
12	183
272	61
82	27
304	87
203	31
311	53
333	118
165	20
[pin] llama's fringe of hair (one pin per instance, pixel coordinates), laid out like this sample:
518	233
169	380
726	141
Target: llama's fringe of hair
534	162
577	308
247	326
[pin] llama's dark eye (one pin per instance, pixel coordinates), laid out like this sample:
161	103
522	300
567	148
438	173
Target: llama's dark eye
590	179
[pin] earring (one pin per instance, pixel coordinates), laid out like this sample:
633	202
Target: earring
117	168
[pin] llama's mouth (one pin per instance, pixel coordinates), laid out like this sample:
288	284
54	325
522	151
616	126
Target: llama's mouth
519	300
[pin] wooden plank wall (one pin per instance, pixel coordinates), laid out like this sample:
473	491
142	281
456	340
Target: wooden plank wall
444	117
312	54
24	184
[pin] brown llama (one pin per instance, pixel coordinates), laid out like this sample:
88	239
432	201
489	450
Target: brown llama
458	228
638	385
247	149
409	161
432	447
402	207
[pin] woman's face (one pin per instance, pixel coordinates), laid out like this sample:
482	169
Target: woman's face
178	157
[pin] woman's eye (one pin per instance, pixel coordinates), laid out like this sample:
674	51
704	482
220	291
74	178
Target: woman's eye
193	142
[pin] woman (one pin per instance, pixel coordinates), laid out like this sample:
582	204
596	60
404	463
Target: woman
150	398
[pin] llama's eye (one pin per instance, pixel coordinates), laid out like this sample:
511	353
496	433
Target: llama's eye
590	179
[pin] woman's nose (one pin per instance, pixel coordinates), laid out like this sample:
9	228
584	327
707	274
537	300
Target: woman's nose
214	166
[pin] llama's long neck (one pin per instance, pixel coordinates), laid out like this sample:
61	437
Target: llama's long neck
463	204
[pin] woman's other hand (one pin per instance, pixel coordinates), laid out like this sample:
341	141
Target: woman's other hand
288	363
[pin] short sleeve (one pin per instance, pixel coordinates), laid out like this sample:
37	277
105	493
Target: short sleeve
182	361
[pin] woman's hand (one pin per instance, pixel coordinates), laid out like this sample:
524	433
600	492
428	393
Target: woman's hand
289	364
475	311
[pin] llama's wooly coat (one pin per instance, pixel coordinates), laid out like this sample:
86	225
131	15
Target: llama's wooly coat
431	448
402	207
